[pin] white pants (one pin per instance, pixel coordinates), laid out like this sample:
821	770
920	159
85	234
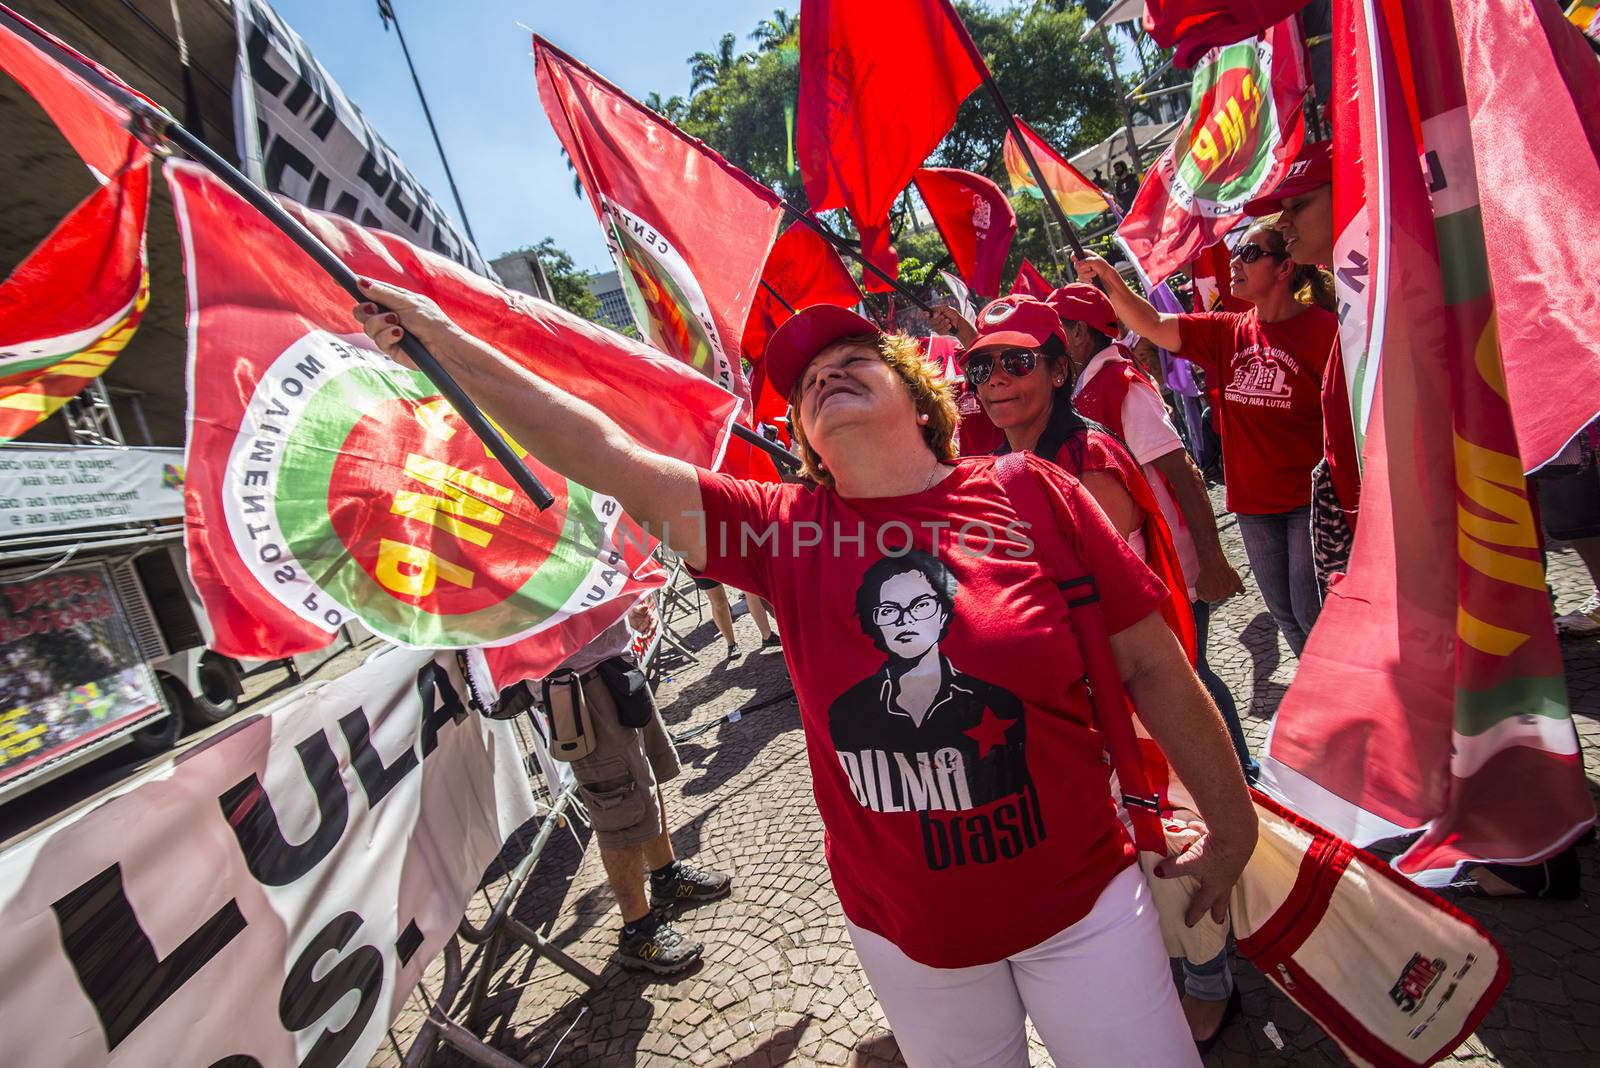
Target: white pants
1100	994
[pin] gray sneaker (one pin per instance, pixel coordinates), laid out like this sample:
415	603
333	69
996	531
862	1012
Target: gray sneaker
662	951
689	886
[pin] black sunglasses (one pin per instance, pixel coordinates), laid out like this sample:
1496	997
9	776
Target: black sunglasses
1018	363
1249	252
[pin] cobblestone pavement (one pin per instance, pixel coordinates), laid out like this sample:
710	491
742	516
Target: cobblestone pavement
780	985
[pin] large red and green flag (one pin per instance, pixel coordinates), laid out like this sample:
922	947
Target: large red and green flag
1081	200
1537	243
1242	132
974	218
71	306
1431	696
688	230
880	85
1193	27
327	483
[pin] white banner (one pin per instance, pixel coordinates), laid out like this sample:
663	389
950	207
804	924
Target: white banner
299	135
64	489
269	898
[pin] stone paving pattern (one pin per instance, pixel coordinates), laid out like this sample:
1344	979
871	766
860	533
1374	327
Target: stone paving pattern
779	984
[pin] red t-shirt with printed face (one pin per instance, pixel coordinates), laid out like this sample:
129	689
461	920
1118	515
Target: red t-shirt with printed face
1270	375
953	758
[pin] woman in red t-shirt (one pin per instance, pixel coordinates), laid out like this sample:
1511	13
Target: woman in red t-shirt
1269	362
970	829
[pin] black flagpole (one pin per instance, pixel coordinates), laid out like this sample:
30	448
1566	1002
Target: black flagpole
153	121
850	250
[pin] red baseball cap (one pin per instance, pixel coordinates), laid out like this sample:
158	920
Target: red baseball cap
1081	302
1015	322
1313	167
810	330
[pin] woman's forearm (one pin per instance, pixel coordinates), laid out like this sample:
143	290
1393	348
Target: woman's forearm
1184	722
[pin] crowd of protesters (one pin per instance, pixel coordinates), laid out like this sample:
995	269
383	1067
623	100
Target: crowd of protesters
980	855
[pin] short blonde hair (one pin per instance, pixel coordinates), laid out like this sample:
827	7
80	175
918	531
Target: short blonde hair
930	394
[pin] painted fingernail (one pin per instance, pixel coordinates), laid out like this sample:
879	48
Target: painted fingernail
369	309
391	318
397	332
364	283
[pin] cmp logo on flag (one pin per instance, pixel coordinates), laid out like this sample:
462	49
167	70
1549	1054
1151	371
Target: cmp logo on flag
1232	132
354	490
667	302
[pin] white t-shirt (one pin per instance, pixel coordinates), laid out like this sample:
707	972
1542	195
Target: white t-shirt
1149	435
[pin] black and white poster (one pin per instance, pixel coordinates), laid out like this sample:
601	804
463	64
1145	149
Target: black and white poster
299	135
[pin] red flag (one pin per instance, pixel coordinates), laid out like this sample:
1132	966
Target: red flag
1212	278
880	84
1030	282
327	483
1195	26
68	309
976	221
801	270
1431	694
688	230
876	248
1243	130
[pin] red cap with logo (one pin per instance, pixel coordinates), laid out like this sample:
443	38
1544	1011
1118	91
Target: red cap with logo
1015	322
1313	167
810	330
1081	302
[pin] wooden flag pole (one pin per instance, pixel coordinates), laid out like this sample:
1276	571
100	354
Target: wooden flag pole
151	121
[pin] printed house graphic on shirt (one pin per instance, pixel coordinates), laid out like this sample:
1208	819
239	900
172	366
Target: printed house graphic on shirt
1260	376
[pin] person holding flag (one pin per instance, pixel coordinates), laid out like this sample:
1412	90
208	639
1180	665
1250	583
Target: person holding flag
1020	363
1269	361
1303	203
972	837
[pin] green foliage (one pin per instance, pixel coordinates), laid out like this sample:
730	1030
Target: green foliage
708	69
772	34
568	285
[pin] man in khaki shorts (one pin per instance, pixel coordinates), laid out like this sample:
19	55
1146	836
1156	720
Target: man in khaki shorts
619	782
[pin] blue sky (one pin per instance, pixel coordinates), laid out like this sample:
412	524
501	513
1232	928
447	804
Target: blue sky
474	63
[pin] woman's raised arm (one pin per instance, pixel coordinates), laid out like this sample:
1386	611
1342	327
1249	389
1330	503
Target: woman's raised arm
567	434
1136	313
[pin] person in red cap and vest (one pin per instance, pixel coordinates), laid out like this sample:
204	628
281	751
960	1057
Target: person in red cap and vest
1017	362
1108	387
983	871
1269	361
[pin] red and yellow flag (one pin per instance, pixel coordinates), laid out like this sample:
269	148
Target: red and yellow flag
1431	694
68	309
1081	200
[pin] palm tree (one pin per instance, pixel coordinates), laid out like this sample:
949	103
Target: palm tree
673	108
707	69
775	32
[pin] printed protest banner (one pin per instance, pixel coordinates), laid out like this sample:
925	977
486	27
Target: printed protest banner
45	489
271	897
70	669
299	135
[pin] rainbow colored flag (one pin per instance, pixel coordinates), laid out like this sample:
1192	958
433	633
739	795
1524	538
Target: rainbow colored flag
1080	199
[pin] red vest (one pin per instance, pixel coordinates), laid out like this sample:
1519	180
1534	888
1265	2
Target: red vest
1101	399
1101	453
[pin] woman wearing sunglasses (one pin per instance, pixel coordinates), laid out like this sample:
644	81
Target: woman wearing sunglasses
1022	368
972	838
1269	361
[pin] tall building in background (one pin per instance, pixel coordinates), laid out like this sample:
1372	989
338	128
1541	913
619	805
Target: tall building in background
614	311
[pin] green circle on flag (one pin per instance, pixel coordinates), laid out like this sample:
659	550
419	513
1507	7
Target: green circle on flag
307	494
1233	129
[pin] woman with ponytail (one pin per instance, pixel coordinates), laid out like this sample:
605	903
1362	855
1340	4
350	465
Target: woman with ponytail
1270	362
